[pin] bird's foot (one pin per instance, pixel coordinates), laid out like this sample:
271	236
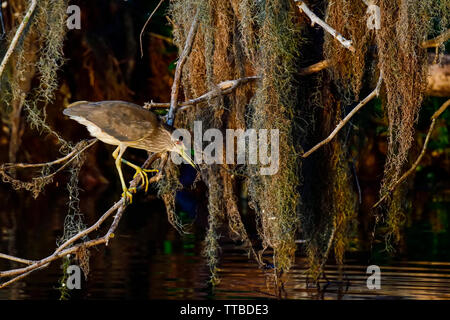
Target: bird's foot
132	189
127	195
144	176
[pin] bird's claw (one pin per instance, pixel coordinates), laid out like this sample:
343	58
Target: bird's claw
144	177
132	189
127	195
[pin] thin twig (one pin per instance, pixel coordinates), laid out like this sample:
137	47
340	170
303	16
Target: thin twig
68	158
16	38
76	151
62	251
15	259
315	19
358	186
5	284
344	121
419	158
179	69
145	25
224	87
327	252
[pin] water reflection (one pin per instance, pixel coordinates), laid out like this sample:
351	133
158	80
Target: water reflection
148	259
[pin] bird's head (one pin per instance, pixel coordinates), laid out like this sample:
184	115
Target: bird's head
180	148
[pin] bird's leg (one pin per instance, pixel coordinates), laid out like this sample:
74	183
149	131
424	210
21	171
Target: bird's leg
117	154
141	172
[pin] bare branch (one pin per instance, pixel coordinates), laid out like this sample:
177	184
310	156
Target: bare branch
225	87
179	69
315	19
17	36
22	272
77	150
92	228
145	25
344	121
419	158
15	259
319	66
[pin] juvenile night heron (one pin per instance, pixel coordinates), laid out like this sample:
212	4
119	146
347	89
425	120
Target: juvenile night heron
126	125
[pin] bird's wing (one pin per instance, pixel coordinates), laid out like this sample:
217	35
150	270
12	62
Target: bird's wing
124	121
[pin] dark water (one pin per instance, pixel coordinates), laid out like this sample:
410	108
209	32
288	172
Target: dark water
149	260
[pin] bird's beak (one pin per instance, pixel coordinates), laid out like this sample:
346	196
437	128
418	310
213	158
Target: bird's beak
188	159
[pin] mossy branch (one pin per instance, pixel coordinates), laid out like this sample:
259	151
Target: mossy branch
68	247
38	183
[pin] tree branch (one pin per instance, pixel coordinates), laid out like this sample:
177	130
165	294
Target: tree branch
224	87
15	259
68	247
16	38
344	121
145	25
179	69
319	66
419	158
77	150
315	19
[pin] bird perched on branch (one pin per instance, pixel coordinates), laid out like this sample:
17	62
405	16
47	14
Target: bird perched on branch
126	125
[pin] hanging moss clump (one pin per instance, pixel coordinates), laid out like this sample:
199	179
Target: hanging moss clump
403	62
217	55
276	198
40	54
349	18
